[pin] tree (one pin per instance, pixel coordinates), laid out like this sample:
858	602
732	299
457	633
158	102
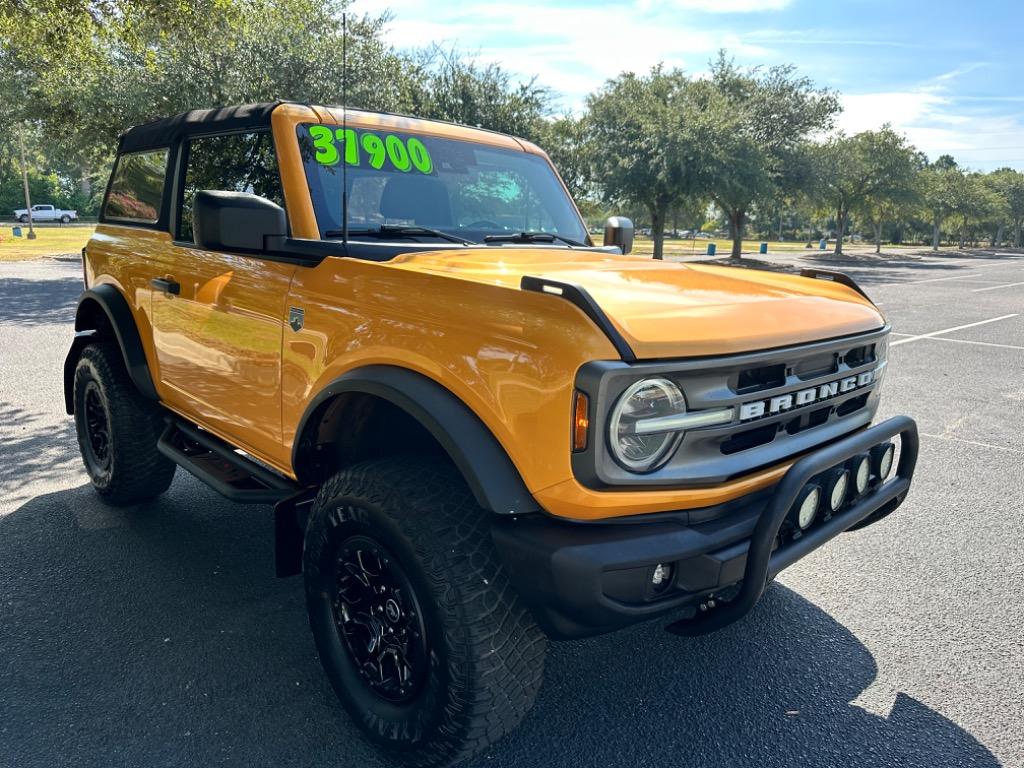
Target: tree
852	172
752	125
444	85
637	128
1009	185
936	185
84	70
565	141
973	202
900	165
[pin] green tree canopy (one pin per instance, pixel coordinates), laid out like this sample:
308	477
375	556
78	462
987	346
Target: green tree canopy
636	125
869	169
752	125
1009	185
82	71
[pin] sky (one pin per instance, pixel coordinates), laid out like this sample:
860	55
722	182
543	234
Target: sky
949	75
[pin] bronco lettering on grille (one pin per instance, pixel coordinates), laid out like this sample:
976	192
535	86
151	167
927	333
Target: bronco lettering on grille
815	394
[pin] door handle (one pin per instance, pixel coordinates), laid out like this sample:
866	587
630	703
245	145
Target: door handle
167	286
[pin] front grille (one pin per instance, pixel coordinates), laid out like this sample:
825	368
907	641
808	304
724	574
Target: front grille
806	377
750	438
752	380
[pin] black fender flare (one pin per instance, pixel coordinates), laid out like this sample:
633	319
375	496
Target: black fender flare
483	462
121	321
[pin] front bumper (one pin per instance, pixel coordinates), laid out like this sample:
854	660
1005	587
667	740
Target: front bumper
586	578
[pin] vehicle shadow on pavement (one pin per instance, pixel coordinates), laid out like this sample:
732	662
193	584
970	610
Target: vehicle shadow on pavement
158	635
890	267
40	301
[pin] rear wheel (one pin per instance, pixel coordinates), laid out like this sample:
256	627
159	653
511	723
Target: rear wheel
65	219
117	430
417	626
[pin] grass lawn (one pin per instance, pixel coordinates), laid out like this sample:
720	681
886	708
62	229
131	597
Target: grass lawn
50	241
644	246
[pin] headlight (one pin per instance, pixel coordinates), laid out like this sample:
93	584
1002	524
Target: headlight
646	399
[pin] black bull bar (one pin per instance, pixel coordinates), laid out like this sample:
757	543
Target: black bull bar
764	561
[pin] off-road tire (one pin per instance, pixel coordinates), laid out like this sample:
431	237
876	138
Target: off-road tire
134	471
486	654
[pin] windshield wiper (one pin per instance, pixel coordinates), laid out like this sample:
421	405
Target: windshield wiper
392	229
532	237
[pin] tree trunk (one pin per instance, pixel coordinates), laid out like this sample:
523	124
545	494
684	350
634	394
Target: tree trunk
998	241
737	223
658	229
936	234
878	237
780	227
1016	233
840	230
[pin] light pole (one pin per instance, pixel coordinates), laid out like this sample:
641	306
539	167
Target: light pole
24	180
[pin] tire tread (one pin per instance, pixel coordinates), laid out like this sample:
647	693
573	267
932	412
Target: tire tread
140	471
495	649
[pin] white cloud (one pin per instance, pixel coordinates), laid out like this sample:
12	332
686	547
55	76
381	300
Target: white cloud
867	111
937	123
959	71
570	50
573	50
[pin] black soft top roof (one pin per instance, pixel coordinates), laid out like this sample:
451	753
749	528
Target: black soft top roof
164	132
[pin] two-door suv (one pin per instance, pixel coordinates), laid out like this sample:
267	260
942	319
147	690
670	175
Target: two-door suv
479	429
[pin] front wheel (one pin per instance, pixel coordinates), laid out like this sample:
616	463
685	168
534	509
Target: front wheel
417	626
23	218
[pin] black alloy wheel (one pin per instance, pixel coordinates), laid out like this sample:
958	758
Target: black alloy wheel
380	619
97	429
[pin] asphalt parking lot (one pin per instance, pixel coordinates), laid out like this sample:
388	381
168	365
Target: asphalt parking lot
158	636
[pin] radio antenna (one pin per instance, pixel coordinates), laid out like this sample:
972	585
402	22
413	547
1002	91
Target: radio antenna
344	130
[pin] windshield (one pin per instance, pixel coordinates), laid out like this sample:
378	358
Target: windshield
460	188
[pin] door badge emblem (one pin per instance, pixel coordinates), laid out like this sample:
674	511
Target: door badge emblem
296	316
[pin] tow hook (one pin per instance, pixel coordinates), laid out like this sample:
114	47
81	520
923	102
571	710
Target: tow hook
708	604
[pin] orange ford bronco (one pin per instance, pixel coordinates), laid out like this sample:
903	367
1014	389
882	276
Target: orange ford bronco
479	429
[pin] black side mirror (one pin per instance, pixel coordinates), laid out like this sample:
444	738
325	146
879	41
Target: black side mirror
235	221
618	231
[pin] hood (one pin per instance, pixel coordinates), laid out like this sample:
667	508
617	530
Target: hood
667	309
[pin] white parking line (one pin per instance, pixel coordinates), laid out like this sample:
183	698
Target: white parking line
972	442
979	343
996	287
950	330
939	279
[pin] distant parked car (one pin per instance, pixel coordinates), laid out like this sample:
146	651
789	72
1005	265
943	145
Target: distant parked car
46	213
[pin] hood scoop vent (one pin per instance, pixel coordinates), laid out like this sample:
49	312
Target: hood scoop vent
577	294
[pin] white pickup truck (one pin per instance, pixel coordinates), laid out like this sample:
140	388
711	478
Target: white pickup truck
46	213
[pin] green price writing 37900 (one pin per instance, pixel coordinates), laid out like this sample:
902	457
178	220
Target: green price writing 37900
405	155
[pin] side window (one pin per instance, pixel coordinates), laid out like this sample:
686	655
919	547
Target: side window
137	187
237	162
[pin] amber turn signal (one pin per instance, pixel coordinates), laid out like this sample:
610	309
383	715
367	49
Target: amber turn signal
580	421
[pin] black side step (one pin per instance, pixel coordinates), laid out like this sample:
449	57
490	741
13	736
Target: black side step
217	464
